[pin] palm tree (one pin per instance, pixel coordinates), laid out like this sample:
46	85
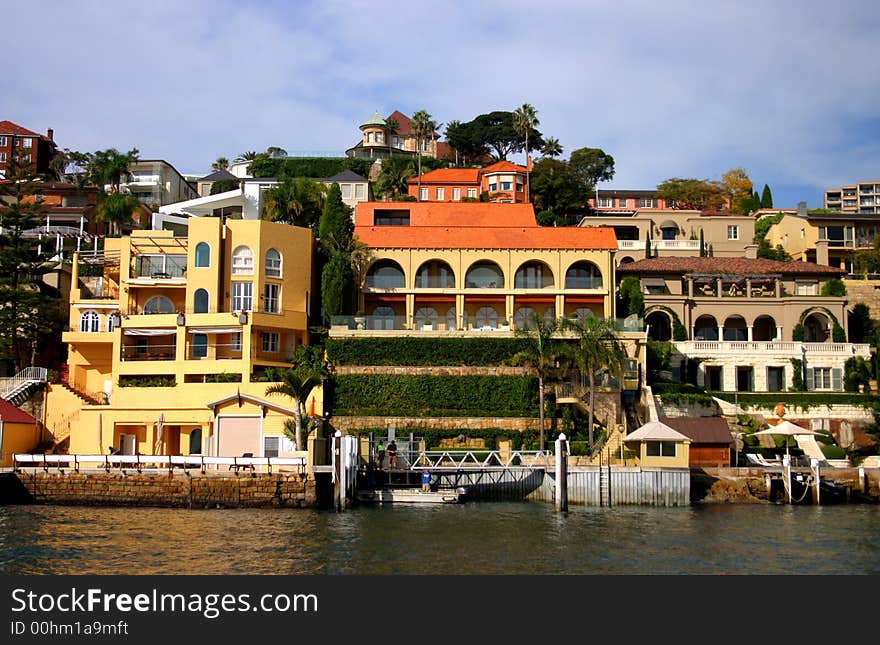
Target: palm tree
393	178
552	148
297	382
110	166
222	163
525	118
250	155
421	125
540	354
597	347
115	209
392	128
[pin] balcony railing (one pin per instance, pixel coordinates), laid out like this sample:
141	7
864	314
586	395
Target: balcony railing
148	352
96	287
795	349
214	351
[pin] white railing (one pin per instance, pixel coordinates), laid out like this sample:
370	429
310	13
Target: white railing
778	347
12	386
141	462
481	459
630	245
690	245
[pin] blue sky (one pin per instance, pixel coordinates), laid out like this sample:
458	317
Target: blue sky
787	90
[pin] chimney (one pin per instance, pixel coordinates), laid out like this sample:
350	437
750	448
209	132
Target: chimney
50	133
802	209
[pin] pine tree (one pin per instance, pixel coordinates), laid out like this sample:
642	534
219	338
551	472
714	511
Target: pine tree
766	197
29	310
702	245
648	246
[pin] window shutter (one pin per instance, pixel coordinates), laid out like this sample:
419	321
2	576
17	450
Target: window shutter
271	445
810	384
836	379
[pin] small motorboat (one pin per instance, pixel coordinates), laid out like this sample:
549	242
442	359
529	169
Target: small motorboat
412	496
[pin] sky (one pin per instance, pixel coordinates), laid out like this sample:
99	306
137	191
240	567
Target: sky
788	90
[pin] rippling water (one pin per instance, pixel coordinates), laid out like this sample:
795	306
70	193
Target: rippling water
471	538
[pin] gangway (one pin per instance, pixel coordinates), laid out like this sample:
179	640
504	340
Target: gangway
481	460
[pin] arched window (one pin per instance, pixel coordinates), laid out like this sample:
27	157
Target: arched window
89	321
383	318
200	301
199	345
195	441
486	317
242	261
273	264
659	326
385	274
203	255
450	319
158	305
533	275
113	321
523	318
582	313
435	274
485	275
583	275
425	315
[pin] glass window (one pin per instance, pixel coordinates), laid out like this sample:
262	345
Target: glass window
645	202
195	441
604	202
385	274
732	232
345	189
271	301
203	255
242	261
440	194
533	275
273	263
27	142
425	315
200	301
113	321
583	275
484	275
158	305
622	202
471	192
269	341
359	192
199	345
2	140
660	448
2	156
271	446
235	341
242	296
506	185
456	194
486	317
89	321
424	194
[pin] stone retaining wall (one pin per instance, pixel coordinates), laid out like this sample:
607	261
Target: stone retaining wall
405	424
190	490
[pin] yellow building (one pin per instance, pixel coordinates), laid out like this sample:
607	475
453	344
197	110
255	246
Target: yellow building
170	338
19	432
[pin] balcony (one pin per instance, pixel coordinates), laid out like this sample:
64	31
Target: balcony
716	348
148	352
214	351
660	245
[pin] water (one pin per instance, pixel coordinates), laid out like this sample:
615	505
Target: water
471	538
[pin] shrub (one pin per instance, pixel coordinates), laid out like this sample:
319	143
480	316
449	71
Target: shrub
422	351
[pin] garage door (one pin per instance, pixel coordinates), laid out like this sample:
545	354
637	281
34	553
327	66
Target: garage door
238	435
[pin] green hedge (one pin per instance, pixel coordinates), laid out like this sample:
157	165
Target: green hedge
521	440
314	167
422	351
435	396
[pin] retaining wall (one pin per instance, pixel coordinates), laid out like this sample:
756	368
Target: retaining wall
191	490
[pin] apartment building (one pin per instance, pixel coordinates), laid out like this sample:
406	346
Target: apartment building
862	198
33	148
156	182
627	201
170	339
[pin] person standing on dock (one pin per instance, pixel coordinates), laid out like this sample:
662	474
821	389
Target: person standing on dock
391	451
380	455
426	481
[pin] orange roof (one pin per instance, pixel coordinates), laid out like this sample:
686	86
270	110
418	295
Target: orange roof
503	166
450	176
474	225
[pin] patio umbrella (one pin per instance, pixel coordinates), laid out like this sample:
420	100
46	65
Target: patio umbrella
786	429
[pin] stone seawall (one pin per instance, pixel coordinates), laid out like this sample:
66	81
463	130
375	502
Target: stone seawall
178	490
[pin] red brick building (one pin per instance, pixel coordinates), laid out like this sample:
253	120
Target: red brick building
36	149
503	181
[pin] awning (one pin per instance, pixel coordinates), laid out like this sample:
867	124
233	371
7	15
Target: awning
654	282
213	330
149	332
669	224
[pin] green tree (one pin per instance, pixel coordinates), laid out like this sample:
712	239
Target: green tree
393	179
110	166
833	287
116	210
525	119
691	194
556	188
297	382
540	354
298	202
29	310
862	327
493	133
592	165
868	261
421	125
702	245
597	348
224	185
335	280
736	187
766	197
335	228
551	148
630	299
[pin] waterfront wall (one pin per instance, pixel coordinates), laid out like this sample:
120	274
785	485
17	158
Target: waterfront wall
178	490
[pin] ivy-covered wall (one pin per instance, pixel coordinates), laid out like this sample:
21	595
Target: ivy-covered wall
422	351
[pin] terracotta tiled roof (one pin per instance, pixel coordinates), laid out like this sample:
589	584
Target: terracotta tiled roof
503	166
701	429
474	225
450	176
403	127
11	414
726	265
8	127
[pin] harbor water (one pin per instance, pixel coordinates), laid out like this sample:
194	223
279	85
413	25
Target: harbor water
475	538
